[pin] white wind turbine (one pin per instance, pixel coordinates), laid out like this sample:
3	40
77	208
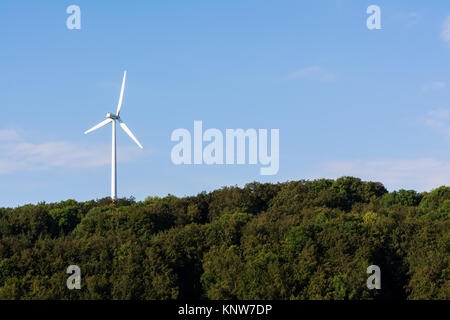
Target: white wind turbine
110	117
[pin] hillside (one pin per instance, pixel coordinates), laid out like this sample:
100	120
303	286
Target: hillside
294	240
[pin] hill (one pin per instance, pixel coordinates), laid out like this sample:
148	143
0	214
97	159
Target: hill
293	240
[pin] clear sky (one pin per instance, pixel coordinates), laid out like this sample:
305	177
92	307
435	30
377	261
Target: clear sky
347	100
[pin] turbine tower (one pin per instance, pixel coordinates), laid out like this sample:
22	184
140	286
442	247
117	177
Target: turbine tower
110	117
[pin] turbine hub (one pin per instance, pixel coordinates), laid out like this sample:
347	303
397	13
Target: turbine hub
109	115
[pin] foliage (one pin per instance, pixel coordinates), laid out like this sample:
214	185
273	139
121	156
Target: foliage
292	240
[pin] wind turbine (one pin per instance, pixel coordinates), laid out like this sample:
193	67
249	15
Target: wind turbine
110	117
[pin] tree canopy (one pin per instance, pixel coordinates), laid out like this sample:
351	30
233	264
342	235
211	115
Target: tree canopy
292	240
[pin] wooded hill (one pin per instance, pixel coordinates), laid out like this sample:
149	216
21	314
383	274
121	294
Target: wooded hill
293	240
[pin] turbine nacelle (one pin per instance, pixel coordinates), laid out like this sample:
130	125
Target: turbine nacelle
110	115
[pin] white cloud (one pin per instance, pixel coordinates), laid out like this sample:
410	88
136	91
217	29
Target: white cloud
437	85
17	155
445	32
410	19
418	174
9	135
313	72
439	120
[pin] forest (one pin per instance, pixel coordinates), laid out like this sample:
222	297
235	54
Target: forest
307	240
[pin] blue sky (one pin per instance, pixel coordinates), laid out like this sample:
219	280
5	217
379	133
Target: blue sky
347	100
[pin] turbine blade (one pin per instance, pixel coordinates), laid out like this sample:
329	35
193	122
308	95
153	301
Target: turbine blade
119	105
128	131
101	124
